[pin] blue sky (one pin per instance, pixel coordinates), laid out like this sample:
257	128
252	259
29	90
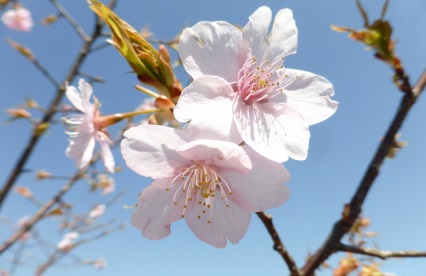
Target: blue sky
340	147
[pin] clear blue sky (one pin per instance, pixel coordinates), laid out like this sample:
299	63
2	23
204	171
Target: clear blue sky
340	147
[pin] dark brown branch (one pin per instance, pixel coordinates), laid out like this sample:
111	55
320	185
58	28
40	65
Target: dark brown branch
278	245
51	111
352	210
380	254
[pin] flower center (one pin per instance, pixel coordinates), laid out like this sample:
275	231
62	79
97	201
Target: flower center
258	82
201	183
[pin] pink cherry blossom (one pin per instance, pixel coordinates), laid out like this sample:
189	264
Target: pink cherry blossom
214	185
67	241
243	92
97	211
100	263
21	223
85	129
18	19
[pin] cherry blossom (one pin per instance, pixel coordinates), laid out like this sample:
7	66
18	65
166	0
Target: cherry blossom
22	222
241	90
214	185
86	128
100	263
18	19
67	241
97	211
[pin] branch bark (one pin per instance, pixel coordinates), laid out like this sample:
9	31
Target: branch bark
353	209
278	245
380	254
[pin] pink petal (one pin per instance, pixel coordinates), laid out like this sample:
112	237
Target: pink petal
207	105
223	155
309	94
260	189
106	155
226	223
86	92
18	19
213	48
256	31
81	148
283	37
74	96
156	209
150	150
273	130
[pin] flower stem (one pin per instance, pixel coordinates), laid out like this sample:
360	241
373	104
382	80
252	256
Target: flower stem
147	91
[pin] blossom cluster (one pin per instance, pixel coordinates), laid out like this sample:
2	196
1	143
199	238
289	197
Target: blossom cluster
18	19
242	116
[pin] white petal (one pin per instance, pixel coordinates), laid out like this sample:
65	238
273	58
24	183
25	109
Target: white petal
283	36
150	150
86	92
74	97
156	210
309	94
273	130
207	105
256	31
213	48
107	156
221	154
226	223
260	189
81	148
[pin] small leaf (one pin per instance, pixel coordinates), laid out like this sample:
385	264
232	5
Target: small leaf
49	19
384	9
55	212
363	13
41	128
21	49
23	191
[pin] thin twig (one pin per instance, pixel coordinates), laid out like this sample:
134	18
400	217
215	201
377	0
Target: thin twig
352	210
59	253
71	20
44	209
46	73
380	254
278	245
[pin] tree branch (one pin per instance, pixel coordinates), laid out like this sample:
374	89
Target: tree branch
380	254
278	245
352	210
45	208
71	20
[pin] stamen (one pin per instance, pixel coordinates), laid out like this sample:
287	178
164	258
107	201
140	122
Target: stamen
200	182
257	82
